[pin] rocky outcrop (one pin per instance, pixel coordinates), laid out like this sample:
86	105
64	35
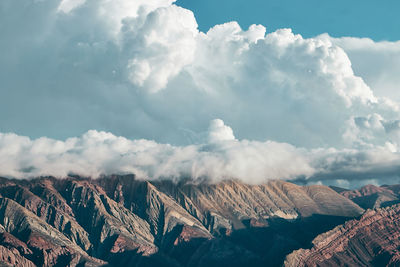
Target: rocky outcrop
373	240
14	252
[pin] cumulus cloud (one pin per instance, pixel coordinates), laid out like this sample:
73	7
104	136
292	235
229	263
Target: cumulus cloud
143	70
377	62
218	131
67	5
160	47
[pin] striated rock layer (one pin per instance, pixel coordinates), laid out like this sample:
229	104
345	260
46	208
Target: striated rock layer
373	240
119	220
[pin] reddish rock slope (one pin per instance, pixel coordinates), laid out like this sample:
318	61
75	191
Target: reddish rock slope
373	240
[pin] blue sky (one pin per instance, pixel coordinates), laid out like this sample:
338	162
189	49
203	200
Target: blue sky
378	20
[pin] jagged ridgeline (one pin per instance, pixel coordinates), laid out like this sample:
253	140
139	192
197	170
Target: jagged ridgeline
119	220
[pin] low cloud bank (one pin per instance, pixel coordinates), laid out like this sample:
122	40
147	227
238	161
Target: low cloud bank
220	157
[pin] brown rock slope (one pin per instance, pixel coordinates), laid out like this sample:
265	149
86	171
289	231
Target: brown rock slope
373	240
230	204
46	246
371	196
119	220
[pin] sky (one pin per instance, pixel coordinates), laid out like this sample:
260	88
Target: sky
242	90
358	18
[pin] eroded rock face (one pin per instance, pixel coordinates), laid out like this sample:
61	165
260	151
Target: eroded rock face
14	252
373	240
119	220
55	211
232	202
105	219
42	244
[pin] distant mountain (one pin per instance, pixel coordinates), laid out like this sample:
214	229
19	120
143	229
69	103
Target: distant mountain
371	196
119	220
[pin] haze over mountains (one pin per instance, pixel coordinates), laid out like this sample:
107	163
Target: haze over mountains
121	220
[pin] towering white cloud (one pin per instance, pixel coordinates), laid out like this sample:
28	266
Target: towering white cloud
377	62
218	131
160	46
142	69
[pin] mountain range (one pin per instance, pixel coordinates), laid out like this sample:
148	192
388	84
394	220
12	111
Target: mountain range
120	220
